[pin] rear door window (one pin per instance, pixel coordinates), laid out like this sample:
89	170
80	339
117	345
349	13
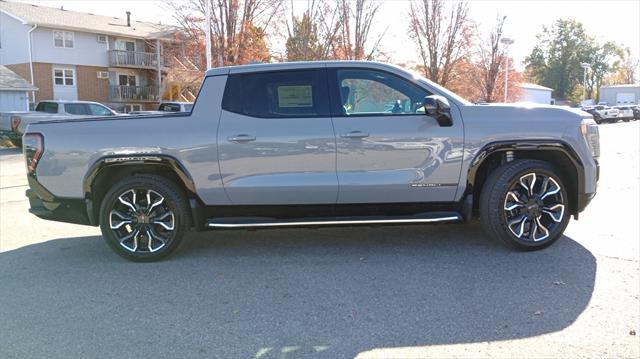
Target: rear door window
281	94
49	107
77	108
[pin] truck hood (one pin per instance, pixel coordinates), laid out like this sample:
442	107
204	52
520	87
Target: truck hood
527	112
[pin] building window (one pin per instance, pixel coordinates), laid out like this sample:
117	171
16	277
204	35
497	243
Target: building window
63	77
132	107
63	39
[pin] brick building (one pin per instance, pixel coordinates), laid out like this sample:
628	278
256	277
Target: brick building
69	55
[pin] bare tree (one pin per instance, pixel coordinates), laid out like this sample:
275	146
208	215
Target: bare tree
442	34
490	58
356	18
313	35
237	26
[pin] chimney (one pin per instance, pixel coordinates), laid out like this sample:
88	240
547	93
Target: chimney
129	18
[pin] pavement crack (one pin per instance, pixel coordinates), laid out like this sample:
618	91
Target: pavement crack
619	258
16	186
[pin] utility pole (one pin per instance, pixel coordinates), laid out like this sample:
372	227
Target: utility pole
586	67
506	41
207	13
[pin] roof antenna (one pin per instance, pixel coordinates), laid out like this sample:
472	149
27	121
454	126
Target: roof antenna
129	18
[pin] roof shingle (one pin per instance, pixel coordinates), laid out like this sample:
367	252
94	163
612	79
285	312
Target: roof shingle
9	80
71	20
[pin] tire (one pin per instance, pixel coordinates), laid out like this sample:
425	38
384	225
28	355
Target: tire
16	142
505	187
597	118
157	226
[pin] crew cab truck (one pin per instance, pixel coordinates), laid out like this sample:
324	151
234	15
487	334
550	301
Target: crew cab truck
14	123
315	144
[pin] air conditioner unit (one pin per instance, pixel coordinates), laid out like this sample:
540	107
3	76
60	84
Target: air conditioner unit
103	74
102	39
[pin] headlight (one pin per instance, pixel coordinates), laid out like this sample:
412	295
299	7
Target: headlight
591	135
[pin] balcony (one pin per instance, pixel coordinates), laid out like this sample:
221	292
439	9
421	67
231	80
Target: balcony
134	93
144	60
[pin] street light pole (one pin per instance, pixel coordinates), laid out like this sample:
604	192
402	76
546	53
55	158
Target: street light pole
506	41
586	67
207	13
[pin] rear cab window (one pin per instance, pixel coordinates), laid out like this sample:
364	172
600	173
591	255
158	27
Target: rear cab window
48	107
278	94
169	107
77	108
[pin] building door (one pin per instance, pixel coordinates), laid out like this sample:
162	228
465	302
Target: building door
64	83
127	80
125	45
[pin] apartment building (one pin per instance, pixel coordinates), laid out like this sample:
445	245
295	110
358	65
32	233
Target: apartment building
78	56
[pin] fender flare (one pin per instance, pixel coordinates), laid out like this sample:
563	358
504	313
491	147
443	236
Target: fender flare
132	160
530	145
166	161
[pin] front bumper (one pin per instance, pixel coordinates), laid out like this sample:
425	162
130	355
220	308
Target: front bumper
46	206
585	198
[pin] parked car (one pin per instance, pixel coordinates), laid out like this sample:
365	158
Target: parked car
167	107
592	111
13	123
313	144
625	114
636	112
605	114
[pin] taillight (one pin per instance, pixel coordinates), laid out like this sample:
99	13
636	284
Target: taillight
33	148
15	122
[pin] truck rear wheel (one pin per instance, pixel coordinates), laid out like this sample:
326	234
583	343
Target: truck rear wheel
144	217
524	204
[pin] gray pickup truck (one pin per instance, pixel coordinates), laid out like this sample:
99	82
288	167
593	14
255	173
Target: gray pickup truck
315	144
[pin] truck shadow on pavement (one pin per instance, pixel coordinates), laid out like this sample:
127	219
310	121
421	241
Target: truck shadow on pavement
330	293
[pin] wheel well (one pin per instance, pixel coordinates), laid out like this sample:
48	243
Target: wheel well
558	159
110	175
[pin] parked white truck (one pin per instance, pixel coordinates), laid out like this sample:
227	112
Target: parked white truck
14	123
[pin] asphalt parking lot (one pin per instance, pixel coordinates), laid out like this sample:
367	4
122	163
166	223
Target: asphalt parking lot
388	292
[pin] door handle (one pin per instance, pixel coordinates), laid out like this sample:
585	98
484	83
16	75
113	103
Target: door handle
242	138
355	134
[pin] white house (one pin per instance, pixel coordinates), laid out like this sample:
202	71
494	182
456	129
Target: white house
70	55
536	93
14	91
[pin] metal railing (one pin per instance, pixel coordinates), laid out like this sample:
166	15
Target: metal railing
134	93
133	59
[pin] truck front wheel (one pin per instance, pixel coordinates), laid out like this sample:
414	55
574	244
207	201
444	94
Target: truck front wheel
144	217
524	204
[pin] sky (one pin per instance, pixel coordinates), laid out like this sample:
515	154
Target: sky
606	20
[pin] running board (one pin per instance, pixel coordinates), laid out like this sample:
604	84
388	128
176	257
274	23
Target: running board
262	222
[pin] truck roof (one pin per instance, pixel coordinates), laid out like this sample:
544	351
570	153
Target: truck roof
297	65
70	101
